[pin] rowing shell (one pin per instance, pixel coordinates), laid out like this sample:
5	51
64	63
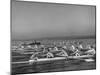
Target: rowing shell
54	59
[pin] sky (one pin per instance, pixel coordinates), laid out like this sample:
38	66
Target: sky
33	20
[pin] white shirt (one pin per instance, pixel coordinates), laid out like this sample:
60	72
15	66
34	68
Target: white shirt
91	51
80	46
72	47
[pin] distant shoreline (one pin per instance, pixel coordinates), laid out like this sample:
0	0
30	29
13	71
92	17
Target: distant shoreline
60	38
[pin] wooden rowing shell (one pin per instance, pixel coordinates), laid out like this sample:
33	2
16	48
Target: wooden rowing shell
49	60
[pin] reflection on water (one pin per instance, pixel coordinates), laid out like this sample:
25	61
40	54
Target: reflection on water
54	66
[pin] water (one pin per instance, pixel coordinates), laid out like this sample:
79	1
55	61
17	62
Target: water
54	66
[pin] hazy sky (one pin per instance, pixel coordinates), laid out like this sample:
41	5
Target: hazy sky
41	20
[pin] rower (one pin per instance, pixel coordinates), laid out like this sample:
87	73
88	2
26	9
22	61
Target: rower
35	46
64	47
76	52
55	48
50	49
80	46
21	47
88	47
62	53
72	47
33	58
29	46
91	51
34	55
44	50
50	55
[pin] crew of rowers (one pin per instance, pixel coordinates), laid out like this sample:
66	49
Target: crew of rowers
63	51
71	50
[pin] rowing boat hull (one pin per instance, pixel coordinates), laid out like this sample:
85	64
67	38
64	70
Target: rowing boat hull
49	60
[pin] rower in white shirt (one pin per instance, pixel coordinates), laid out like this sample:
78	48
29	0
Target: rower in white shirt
35	46
55	48
76	52
88	47
62	52
72	47
33	58
80	46
50	55
91	51
64	47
